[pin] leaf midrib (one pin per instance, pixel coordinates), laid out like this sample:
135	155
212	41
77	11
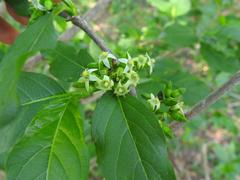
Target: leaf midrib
130	133
54	138
68	59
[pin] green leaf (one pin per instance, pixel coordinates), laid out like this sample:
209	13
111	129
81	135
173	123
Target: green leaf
172	7
179	36
218	60
67	64
38	36
33	87
230	31
35	91
130	143
1	55
221	121
170	70
20	7
53	147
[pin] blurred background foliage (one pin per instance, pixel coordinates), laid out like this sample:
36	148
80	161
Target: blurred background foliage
197	46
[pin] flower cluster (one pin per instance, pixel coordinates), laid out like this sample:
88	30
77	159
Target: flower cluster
115	74
171	99
167	105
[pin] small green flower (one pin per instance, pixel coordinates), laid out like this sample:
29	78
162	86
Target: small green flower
133	78
179	107
154	102
141	61
129	63
104	57
121	90
119	74
87	76
105	84
150	63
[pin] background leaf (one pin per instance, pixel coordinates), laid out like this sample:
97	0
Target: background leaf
177	36
218	61
180	7
130	143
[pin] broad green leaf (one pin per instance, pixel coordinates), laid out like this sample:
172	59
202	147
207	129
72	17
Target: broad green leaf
129	141
53	146
218	60
21	7
179	36
38	36
35	91
67	64
172	7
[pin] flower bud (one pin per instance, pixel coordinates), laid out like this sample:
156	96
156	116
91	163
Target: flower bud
170	101
48	4
178	116
167	93
85	74
175	93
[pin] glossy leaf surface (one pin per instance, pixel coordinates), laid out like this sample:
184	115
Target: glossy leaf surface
53	147
35	90
67	63
130	143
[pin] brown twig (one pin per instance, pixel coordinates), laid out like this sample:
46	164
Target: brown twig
214	96
210	99
82	24
92	15
205	161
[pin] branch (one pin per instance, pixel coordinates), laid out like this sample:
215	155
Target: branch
82	24
214	96
92	15
211	99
